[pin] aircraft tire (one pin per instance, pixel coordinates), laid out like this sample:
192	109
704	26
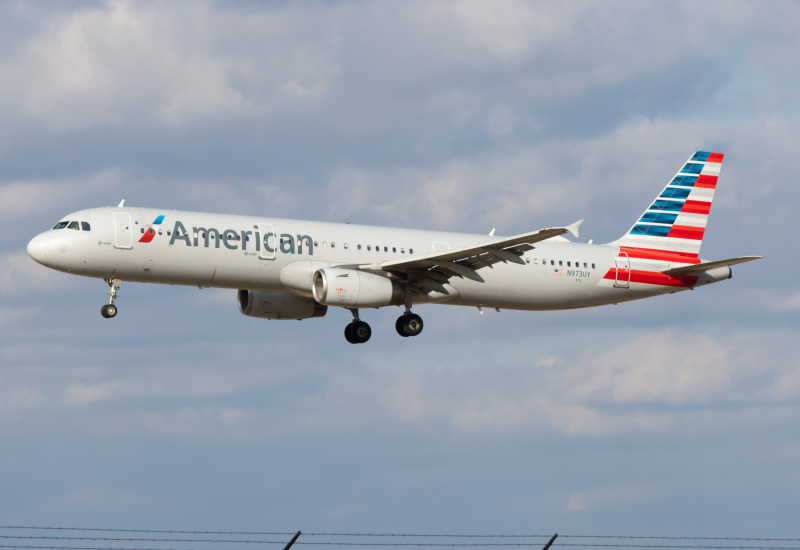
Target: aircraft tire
413	325
108	311
409	325
398	326
361	332
348	333
357	332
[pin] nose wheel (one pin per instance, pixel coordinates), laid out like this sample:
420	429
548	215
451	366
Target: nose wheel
110	310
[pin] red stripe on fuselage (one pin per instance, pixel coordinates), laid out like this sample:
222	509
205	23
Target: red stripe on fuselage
650	278
663	255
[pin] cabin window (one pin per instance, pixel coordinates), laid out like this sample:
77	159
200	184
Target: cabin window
569	264
402	251
592	266
584	264
345	246
394	249
359	247
410	250
386	249
316	243
369	247
142	230
333	244
560	262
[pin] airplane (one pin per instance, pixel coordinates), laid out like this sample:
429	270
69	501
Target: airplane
294	269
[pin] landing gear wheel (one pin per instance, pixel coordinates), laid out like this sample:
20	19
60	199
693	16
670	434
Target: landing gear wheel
108	311
398	326
357	332
409	324
361	331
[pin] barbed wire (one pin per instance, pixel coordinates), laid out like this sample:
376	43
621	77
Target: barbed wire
49	536
392	535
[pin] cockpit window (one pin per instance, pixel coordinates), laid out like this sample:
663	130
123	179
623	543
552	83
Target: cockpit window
74	225
85	226
60	225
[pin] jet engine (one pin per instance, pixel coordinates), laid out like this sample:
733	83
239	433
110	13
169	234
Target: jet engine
351	288
278	305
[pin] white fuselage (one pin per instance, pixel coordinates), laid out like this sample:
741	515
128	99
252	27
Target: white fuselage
281	255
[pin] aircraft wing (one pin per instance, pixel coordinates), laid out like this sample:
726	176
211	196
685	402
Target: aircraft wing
697	268
430	271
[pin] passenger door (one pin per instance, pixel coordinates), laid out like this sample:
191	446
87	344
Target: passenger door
123	234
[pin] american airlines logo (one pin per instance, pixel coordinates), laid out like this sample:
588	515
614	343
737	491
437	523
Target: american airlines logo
149	233
233	239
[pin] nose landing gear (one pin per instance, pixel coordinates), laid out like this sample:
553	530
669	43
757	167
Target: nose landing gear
110	310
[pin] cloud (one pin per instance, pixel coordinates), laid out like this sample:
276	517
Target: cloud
21	276
171	65
24	198
603	497
671	367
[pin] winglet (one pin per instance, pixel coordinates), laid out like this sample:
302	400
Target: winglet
574	228
121	203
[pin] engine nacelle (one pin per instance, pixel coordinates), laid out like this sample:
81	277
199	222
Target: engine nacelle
333	286
278	305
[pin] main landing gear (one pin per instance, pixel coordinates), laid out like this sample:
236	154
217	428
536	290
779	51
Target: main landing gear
408	324
110	310
358	332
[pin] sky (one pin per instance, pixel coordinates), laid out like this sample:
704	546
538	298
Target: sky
671	416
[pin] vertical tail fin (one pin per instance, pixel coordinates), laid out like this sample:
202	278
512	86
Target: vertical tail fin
676	221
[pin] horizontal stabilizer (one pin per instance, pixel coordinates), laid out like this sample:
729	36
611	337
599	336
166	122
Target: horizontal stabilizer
697	268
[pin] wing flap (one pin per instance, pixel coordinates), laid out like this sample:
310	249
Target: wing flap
476	257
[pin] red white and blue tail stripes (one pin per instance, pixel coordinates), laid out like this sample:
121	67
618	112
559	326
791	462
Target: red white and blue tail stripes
676	221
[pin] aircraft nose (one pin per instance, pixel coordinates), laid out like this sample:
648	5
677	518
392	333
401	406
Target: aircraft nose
38	248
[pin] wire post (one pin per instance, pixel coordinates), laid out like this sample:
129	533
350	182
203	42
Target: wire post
547	546
294	538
